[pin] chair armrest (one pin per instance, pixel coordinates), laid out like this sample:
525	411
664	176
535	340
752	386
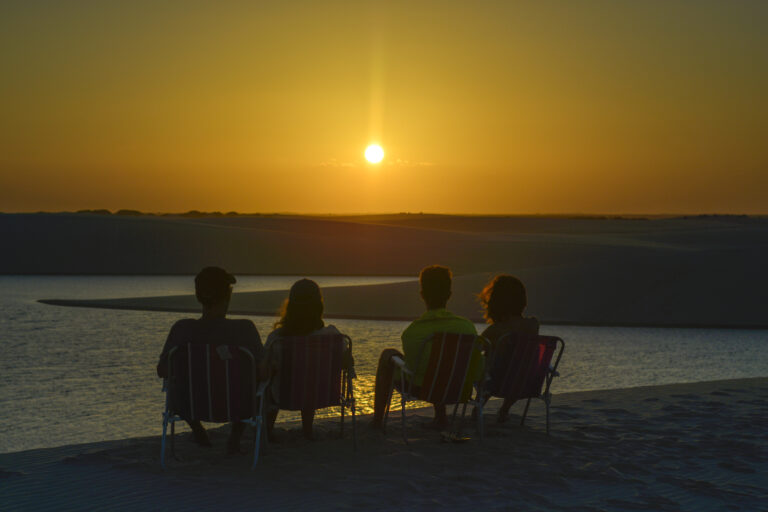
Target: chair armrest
398	361
262	387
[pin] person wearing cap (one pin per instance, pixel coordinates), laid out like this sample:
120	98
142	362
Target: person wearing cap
300	315
435	282
213	289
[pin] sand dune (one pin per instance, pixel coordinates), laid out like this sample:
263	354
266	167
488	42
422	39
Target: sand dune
693	447
704	271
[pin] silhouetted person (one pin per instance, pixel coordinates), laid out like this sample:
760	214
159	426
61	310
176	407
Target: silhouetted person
213	288
504	299
435	284
301	315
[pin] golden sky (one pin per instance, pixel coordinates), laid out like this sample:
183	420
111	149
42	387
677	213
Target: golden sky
481	107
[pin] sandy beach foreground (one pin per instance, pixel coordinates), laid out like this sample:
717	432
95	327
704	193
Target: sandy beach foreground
698	446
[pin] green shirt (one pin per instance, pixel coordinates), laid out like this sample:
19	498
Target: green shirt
437	320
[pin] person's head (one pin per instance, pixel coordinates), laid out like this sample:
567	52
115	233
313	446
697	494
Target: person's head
504	297
302	311
213	288
435	284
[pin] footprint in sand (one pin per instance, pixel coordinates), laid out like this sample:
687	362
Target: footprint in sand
615	411
9	474
737	469
720	393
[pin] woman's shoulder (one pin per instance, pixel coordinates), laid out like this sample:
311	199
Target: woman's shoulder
527	325
328	329
274	336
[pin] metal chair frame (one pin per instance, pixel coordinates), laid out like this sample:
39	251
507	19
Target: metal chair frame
256	421
347	395
407	394
551	373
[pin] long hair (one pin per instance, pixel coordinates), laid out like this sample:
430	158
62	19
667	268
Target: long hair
504	297
302	311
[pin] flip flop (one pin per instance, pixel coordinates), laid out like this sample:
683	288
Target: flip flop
450	437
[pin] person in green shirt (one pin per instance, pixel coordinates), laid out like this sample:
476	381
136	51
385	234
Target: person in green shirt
435	284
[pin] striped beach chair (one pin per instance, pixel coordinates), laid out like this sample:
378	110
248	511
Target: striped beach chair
446	378
213	383
522	367
316	372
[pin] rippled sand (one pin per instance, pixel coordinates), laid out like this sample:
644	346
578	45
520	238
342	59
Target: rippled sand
677	447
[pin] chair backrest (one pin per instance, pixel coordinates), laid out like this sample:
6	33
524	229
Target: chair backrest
311	371
448	364
519	363
212	382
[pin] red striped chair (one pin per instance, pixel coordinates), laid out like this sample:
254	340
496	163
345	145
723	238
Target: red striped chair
448	358
521	367
316	372
213	383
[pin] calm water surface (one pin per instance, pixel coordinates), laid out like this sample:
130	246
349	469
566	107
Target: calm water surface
76	375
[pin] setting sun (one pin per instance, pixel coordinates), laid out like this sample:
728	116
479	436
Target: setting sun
374	153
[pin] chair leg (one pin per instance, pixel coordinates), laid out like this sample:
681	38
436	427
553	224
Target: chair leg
479	409
343	406
162	441
546	402
388	404
525	412
402	412
256	443
173	439
354	427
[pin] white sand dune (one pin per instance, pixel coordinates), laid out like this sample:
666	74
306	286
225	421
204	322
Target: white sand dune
693	447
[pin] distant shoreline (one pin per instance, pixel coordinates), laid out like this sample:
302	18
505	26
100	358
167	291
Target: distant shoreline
671	325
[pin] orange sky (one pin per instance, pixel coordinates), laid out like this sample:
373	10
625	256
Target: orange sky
481	107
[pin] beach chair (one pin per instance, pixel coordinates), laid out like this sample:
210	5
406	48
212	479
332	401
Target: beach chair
213	383
445	381
316	372
522	367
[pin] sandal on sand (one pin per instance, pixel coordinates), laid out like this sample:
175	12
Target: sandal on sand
452	437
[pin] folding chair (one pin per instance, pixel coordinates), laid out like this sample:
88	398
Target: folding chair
449	357
519	366
317	372
214	383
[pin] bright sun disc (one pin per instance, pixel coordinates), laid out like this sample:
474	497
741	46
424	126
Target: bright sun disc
374	153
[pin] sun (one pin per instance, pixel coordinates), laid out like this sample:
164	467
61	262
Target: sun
374	153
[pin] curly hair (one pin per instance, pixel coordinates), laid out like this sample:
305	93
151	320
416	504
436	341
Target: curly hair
503	297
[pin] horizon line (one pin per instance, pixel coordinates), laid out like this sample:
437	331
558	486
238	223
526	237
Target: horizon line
216	213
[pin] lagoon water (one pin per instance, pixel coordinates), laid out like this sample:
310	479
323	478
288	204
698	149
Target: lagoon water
77	375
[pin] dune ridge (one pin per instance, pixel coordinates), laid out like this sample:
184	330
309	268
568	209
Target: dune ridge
701	271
